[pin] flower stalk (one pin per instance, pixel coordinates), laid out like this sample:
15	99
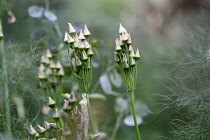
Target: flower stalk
128	61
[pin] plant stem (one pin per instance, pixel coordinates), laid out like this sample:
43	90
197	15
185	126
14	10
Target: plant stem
93	125
117	124
134	114
6	89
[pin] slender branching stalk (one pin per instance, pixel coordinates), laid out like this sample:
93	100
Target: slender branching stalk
80	56
6	125
127	60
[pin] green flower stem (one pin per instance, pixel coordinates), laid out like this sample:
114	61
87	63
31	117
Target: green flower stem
6	89
134	115
93	125
117	124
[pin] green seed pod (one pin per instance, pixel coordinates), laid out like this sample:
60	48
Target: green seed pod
56	115
51	103
42	130
84	56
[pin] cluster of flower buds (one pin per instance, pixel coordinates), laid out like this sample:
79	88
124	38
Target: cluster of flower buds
80	53
49	71
41	132
73	123
124	53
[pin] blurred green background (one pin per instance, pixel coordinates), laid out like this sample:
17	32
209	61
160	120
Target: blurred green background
169	34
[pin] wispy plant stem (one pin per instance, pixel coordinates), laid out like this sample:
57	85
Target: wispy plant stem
134	115
117	124
6	89
93	125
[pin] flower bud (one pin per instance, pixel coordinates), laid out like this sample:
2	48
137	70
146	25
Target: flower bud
61	72
71	29
49	72
56	115
137	55
86	31
90	52
86	44
131	52
48	54
66	106
1	35
129	42
76	44
125	65
42	130
41	68
80	45
121	41
72	53
66	38
132	61
117	46
51	103
31	130
124	36
121	29
44	60
70	39
72	98
52	65
46	125
58	65
84	56
78	62
81	35
42	75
